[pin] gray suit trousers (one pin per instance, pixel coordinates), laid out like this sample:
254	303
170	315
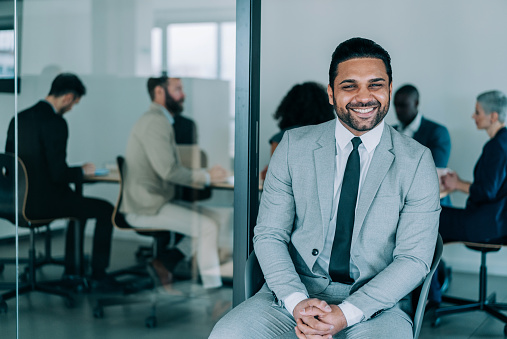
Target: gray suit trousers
260	317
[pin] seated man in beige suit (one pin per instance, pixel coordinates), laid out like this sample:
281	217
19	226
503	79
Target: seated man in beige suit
152	168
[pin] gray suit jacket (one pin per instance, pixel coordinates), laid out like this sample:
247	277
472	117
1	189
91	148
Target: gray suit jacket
395	228
153	165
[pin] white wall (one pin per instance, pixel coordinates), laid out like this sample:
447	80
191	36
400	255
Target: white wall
451	50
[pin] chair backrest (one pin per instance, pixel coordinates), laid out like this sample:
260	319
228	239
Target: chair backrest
118	218
254	279
8	188
425	288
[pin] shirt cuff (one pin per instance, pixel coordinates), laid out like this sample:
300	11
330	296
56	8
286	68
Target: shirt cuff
208	179
292	300
352	314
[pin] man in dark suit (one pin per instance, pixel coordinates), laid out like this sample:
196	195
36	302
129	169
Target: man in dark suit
434	136
42	144
185	133
426	132
185	130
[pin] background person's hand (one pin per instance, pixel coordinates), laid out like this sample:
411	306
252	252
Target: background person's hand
450	181
88	169
217	174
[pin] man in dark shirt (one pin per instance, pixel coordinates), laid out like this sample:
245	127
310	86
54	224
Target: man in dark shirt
185	133
42	146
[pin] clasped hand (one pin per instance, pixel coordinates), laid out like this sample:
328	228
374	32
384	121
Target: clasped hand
316	319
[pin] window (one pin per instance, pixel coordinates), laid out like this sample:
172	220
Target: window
7	53
198	50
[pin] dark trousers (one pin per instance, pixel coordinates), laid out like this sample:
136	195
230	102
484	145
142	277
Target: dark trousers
83	209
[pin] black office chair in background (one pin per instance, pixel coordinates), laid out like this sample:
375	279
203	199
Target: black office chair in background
485	303
8	196
160	239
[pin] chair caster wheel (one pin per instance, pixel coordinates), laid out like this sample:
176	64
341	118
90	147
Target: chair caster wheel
23	277
98	312
3	307
151	322
70	302
435	322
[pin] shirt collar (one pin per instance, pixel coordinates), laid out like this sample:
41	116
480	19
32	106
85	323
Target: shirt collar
166	113
414	125
370	139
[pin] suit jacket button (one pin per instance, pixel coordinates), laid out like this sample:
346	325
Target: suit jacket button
315	252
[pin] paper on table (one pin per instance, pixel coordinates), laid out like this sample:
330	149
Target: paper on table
101	171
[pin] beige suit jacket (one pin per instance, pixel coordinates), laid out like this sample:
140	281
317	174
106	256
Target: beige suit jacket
153	165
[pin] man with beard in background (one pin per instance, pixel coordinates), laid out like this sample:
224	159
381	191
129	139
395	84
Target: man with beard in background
152	169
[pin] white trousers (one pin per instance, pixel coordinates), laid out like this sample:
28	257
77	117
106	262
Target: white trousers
201	229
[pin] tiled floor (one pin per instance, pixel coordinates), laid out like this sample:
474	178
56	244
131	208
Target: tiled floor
44	316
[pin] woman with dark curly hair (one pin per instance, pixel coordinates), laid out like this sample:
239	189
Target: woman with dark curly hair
305	104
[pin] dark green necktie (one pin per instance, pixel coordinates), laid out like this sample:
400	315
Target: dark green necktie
340	254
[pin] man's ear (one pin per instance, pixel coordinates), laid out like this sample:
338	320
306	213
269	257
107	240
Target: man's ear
158	91
67	98
330	94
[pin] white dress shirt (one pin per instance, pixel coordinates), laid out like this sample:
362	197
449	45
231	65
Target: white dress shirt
411	128
366	149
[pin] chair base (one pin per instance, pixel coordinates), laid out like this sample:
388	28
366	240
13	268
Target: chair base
485	303
27	288
31	283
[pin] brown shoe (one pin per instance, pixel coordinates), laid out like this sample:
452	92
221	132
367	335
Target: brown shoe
159	273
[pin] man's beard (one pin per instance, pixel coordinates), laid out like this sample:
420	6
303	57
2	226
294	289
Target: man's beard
173	106
358	124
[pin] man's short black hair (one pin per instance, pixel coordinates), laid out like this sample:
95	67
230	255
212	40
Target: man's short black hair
358	48
65	83
408	89
154	82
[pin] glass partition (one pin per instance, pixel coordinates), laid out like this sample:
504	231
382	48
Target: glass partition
8	230
113	47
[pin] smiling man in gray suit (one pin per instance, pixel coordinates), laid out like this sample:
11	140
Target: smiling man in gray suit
348	220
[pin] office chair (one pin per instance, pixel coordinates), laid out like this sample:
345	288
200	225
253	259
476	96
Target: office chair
485	303
41	259
159	241
254	279
8	212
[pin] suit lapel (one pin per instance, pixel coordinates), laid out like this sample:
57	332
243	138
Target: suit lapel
380	164
324	159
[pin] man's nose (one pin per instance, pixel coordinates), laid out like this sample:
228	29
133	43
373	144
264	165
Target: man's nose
363	95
